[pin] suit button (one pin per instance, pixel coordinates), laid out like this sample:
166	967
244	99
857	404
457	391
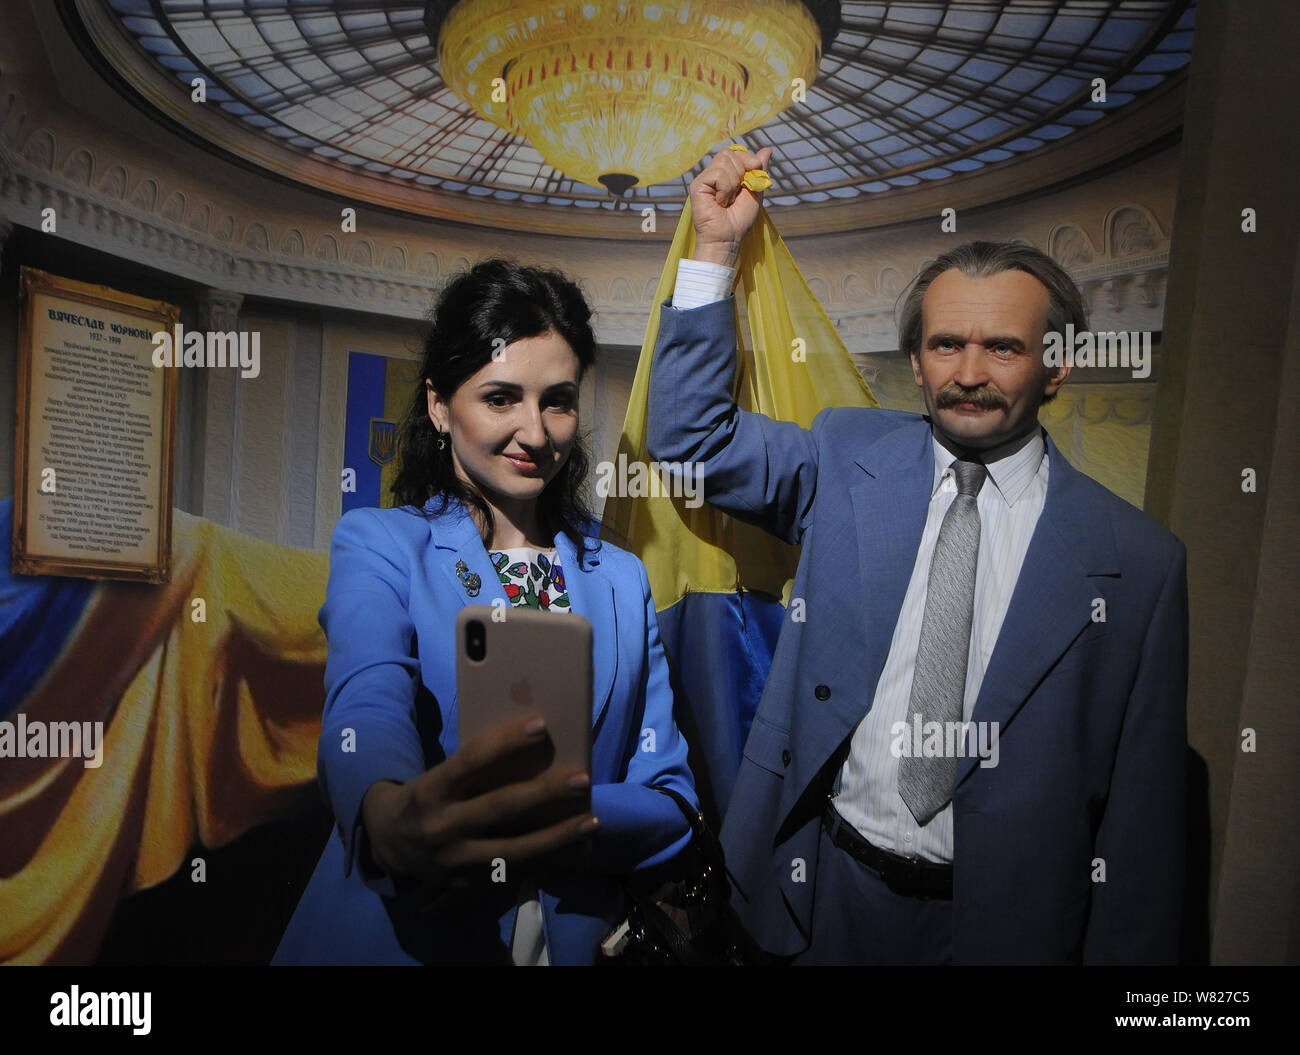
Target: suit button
822	692
785	758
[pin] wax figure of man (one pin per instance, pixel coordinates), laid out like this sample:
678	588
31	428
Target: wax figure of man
954	569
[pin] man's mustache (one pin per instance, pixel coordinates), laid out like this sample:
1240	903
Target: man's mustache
951	395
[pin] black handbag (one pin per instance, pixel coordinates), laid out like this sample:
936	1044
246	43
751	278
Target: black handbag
686	921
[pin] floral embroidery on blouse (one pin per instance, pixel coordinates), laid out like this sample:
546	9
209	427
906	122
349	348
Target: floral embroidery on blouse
531	579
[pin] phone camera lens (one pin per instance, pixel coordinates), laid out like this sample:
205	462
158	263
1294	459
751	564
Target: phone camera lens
475	640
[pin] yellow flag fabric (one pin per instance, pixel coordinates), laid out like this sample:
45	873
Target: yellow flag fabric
211	715
792	364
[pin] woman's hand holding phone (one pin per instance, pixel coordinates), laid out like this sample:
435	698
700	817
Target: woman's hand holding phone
457	818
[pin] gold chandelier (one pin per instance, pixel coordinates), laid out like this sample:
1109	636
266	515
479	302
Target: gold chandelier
621	93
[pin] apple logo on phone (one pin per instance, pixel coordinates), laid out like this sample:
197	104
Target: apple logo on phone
521	693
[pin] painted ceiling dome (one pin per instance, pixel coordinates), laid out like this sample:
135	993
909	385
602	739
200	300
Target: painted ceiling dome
357	96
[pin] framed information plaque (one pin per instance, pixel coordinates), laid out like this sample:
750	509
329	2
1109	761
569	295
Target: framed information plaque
96	433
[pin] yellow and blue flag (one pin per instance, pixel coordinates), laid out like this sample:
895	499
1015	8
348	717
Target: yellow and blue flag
722	587
379	391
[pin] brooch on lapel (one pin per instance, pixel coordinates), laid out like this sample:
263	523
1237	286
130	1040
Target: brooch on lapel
470	581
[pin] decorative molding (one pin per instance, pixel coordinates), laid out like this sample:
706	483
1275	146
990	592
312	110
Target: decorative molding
333	276
179	242
1070	246
1154	261
218	309
1124	293
175	238
1130	230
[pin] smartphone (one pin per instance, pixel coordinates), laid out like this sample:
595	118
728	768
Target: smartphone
516	662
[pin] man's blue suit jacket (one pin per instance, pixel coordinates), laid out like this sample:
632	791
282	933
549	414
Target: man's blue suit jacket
1071	849
390	676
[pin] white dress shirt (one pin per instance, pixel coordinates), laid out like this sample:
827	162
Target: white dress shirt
699	282
1009	503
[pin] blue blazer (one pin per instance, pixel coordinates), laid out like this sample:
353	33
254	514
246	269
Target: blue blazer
389	616
1091	715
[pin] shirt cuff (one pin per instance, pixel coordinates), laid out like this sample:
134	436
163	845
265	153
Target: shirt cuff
699	283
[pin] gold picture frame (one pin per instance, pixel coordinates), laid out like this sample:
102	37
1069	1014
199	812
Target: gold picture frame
91	415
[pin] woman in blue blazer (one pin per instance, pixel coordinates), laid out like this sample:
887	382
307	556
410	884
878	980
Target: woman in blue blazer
490	510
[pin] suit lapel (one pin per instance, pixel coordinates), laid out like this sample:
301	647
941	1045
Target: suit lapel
463	564
591	595
1051	603
889	505
890	498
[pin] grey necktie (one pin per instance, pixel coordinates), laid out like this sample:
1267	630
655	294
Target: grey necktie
939	684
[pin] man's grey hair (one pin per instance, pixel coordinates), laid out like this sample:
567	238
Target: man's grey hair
983	260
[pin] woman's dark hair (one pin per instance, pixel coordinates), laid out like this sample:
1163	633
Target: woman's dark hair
495	301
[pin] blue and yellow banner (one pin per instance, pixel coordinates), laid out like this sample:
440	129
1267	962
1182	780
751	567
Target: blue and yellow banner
721	586
379	389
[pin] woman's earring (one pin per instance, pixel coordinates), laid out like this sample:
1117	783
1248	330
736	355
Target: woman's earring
442	441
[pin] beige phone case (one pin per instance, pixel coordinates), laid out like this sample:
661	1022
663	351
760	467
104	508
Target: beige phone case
535	663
